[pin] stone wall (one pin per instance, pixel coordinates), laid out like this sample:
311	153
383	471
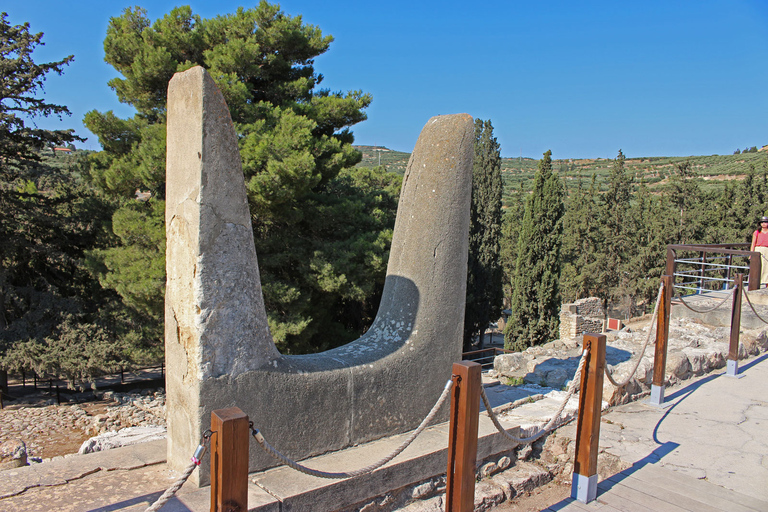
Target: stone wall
219	351
584	315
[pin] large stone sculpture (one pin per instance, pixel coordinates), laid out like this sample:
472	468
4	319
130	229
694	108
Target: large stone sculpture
219	351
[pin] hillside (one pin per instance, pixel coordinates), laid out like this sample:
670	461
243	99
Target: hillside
712	171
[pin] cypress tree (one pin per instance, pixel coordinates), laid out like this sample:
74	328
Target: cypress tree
577	276
613	251
510	232
536	290
484	280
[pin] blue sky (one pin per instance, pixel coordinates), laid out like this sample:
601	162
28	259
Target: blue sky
584	79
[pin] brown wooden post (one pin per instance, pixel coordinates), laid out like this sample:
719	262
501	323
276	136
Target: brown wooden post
462	437
662	334
229	460
584	485
755	267
733	348
671	257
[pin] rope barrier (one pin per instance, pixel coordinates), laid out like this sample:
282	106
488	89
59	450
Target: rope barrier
730	292
552	422
608	374
173	489
363	471
753	307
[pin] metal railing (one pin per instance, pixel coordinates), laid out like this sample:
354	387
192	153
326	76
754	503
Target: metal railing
708	268
485	356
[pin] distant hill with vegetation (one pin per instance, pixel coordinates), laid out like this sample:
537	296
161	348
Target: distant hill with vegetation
711	171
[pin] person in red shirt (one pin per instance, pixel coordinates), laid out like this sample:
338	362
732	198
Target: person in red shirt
760	244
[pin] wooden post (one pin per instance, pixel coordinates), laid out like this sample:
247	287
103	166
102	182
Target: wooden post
662	334
584	484
733	348
229	460
671	257
755	267
462	437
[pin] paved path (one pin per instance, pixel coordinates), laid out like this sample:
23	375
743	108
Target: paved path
706	451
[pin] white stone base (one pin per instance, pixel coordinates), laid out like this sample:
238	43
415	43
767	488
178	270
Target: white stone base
584	488
732	369
657	395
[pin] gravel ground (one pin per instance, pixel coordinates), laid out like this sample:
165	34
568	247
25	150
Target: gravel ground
50	430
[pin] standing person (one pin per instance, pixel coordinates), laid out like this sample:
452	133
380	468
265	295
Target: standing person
760	244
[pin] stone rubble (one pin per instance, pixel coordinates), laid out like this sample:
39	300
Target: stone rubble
145	409
694	349
31	425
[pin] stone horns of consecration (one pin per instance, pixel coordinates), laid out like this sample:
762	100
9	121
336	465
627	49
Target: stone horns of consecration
219	352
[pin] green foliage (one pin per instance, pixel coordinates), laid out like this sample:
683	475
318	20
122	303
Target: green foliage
581	236
322	232
510	233
536	290
76	351
20	81
48	221
484	273
136	268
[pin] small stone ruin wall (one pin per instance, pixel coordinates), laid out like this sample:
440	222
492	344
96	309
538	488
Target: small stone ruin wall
584	315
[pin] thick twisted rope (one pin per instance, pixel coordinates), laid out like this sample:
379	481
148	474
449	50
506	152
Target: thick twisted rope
753	307
730	292
645	345
172	490
552	422
363	471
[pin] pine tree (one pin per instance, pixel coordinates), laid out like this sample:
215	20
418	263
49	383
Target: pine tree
484	278
321	227
536	295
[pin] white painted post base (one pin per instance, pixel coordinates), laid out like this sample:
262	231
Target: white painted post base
657	395
584	488
732	369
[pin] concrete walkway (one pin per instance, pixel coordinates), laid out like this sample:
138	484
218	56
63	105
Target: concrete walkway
707	450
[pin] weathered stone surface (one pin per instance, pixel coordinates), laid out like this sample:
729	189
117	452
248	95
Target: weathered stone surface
694	348
123	437
218	349
13	454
